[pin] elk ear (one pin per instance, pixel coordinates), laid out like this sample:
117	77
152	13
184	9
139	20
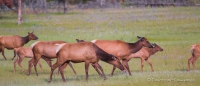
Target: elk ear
77	40
28	33
139	37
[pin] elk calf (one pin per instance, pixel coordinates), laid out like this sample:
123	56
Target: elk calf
195	50
11	42
83	52
145	53
23	52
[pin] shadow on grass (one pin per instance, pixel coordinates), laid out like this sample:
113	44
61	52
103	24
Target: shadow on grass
181	69
74	78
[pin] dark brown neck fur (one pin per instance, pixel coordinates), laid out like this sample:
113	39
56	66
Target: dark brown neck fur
25	40
134	47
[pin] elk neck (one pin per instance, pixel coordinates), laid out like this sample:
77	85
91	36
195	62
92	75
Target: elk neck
25	40
134	47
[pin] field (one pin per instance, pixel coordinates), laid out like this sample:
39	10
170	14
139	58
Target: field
173	28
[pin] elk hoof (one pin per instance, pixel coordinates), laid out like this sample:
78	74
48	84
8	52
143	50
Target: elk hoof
64	81
49	81
27	74
105	78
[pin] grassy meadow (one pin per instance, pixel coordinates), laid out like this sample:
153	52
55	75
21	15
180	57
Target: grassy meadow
173	28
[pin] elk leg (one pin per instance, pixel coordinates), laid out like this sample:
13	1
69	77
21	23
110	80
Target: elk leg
20	61
152	69
97	70
125	63
30	65
113	71
142	65
189	60
72	67
57	64
35	61
48	61
97	65
86	70
194	63
14	55
15	63
2	48
61	69
40	66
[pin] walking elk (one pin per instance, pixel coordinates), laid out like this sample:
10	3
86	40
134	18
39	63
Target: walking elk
122	50
86	52
11	42
45	50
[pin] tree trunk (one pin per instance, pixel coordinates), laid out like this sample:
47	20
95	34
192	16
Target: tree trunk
65	6
19	12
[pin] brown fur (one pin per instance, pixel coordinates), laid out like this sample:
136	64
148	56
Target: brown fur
45	50
83	52
122	50
23	52
11	42
195	50
145	53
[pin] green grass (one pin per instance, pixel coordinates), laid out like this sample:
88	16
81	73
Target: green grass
174	29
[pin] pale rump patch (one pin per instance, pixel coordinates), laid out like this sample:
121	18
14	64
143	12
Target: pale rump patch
93	41
57	44
32	45
59	47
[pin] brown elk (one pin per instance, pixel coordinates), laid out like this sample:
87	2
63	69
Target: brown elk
86	52
45	50
122	50
23	52
11	42
195	50
144	55
77	40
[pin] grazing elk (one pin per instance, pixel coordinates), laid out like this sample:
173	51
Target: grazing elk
195	50
45	50
122	50
11	42
144	55
86	52
23	52
91	64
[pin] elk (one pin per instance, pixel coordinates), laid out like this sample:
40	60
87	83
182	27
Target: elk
46	51
23	52
144	55
122	50
86	52
11	42
77	40
195	50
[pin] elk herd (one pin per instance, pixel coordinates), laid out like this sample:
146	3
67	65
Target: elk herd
114	52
